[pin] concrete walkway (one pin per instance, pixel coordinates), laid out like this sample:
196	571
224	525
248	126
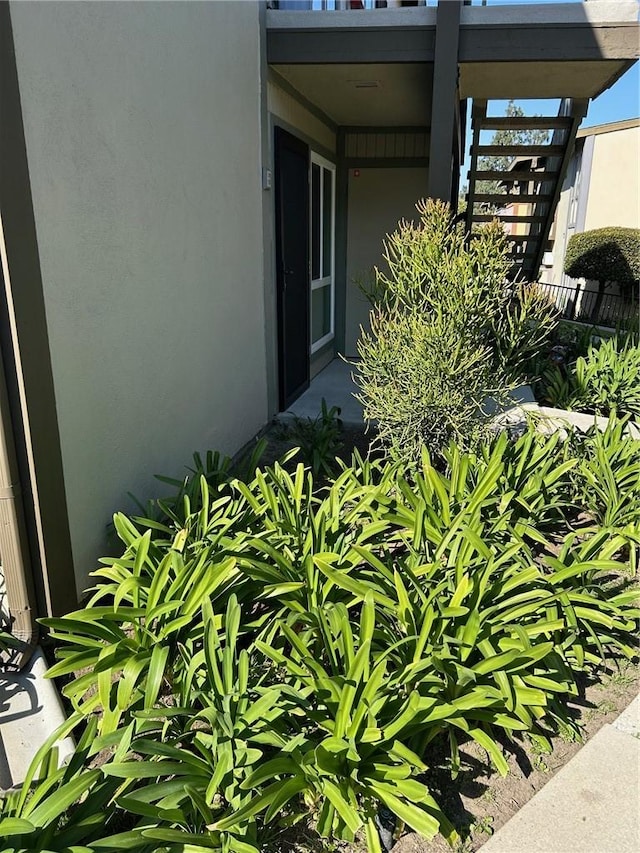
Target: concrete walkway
335	385
592	805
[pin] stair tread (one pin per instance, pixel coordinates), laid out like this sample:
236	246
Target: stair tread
520	150
488	217
510	198
524	122
512	175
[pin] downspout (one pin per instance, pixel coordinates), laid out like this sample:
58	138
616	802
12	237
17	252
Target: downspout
14	548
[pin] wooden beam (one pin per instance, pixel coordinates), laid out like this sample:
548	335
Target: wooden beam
520	150
444	99
509	198
303	46
512	176
524	122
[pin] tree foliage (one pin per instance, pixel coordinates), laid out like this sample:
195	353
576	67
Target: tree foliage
604	254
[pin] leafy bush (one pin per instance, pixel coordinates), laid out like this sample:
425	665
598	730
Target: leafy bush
606	480
319	439
281	652
447	332
58	808
606	381
604	254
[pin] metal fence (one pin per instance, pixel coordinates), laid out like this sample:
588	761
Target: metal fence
584	306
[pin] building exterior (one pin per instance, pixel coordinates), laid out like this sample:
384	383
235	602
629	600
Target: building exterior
601	188
189	194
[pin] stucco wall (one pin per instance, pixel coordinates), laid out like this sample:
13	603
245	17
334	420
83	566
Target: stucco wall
614	189
378	199
608	194
142	125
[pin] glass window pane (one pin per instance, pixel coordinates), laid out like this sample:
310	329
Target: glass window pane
327	231
320	313
315	221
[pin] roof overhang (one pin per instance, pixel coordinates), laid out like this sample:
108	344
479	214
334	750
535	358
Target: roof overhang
522	51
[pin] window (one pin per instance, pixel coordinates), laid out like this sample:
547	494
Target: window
322	221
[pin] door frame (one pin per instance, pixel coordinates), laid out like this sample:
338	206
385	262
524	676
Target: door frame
318	284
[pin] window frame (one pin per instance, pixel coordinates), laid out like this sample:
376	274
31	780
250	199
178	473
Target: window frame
324	280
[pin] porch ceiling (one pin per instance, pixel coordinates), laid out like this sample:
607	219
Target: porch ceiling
379	95
540	79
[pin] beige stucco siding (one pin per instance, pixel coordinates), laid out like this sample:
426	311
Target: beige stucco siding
378	199
614	188
285	106
142	125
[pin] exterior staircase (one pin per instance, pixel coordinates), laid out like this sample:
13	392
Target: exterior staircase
530	180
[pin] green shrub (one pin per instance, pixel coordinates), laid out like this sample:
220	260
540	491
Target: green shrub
606	380
281	652
604	254
319	439
59	808
606	480
447	332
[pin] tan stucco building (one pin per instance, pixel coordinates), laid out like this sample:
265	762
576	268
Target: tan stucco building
601	189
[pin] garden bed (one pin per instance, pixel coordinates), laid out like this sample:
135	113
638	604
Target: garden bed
297	655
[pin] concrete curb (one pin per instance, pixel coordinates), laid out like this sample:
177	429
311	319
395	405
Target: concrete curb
590	805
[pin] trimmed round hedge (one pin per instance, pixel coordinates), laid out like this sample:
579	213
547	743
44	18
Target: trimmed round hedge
605	254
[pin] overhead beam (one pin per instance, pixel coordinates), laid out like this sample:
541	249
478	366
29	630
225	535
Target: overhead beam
562	31
519	33
300	45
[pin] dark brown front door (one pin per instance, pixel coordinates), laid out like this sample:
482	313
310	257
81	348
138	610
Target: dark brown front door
292	260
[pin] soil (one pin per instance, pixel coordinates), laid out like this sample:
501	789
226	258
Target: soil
480	801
